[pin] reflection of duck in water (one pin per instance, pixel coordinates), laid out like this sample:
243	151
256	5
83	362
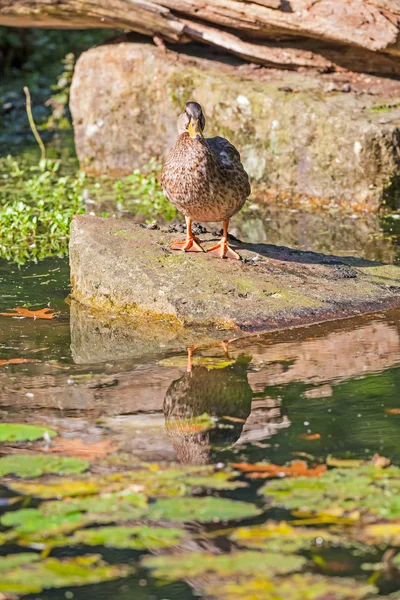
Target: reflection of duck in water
218	390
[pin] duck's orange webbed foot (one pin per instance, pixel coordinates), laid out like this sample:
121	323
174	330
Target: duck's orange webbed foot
189	245
223	250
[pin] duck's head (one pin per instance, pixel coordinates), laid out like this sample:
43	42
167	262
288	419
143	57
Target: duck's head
192	120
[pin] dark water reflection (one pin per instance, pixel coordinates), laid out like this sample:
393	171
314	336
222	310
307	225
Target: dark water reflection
336	383
371	236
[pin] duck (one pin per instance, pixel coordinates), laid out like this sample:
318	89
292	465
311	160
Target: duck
222	391
205	180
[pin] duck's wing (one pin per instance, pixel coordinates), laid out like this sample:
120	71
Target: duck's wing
230	163
226	152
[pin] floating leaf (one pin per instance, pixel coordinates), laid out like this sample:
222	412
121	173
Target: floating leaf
380	462
25	465
16	560
152	479
59	489
309	436
20	311
29	521
115	506
159	480
378	533
195	564
140	537
293	587
55	518
16	361
209	362
77	447
206	509
281	537
15	432
341	492
32	575
298	468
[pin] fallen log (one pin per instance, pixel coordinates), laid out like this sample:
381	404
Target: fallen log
324	34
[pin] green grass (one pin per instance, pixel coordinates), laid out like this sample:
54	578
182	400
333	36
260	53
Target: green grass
38	202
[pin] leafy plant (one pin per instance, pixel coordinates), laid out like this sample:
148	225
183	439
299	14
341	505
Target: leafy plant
142	194
36	208
15	432
37	204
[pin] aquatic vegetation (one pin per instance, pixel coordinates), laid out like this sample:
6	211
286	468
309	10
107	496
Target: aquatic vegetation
18	432
282	538
140	510
36	208
204	510
195	564
141	193
293	587
352	493
27	573
25	465
139	537
38	202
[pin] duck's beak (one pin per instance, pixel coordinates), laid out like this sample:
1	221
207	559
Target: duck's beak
194	129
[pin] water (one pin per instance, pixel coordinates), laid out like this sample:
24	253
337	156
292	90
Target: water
332	379
330	389
327	390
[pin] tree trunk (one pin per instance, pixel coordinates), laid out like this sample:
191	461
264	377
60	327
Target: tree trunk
360	35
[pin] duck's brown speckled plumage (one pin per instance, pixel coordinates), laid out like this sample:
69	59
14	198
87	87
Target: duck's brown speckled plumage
205	178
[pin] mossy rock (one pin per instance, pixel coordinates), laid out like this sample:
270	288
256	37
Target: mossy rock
124	268
125	99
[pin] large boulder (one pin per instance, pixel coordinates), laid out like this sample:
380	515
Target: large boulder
124	268
298	134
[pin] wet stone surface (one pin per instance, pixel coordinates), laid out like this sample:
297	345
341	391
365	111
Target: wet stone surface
121	268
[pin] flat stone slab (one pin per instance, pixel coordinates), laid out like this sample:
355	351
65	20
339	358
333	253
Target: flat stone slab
124	268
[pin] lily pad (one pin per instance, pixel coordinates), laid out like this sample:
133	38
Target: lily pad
209	362
40	525
30	575
59	489
281	537
151	479
206	509
29	521
292	587
15	432
140	537
25	465
197	564
341	492
382	533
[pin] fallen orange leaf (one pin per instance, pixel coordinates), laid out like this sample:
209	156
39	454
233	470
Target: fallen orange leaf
309	436
298	468
392	411
16	361
20	311
77	447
